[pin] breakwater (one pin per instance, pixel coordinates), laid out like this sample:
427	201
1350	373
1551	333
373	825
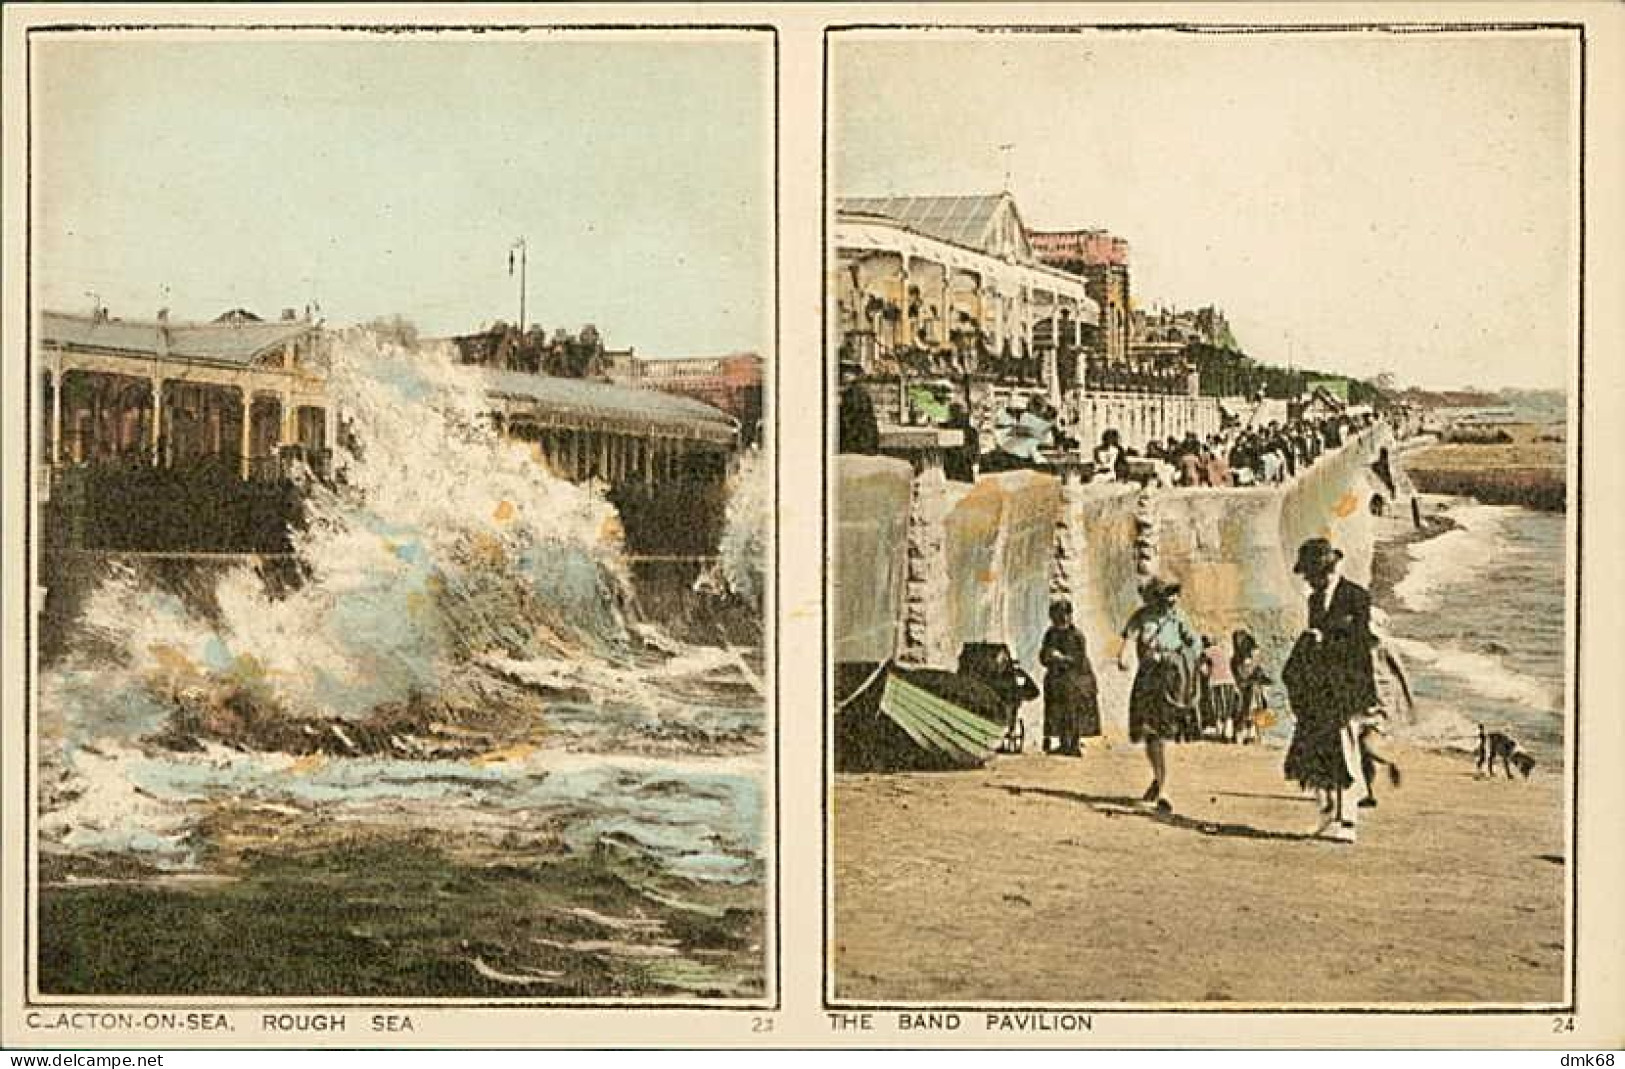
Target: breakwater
923	566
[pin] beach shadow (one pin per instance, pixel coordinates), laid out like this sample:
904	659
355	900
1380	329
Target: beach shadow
1269	797
1121	806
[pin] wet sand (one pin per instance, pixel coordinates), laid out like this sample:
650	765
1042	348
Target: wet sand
1042	879
1527	471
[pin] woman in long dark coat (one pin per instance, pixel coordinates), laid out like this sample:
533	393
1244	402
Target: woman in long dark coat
1071	697
1315	756
1330	684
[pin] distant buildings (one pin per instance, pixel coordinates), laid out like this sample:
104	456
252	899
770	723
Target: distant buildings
731	383
1162	334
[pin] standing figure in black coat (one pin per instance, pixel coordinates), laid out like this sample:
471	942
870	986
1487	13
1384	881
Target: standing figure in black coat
1071	697
1330	683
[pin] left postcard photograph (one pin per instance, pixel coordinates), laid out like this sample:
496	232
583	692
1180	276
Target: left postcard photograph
401	495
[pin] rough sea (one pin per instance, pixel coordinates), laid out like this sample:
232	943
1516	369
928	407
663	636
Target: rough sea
447	572
1477	616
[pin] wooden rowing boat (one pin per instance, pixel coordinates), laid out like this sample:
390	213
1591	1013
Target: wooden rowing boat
916	719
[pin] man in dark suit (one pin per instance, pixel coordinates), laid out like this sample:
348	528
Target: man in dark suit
1342	685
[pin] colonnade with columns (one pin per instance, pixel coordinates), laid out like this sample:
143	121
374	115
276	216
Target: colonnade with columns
101	408
615	456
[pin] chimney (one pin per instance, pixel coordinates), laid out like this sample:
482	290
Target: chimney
289	315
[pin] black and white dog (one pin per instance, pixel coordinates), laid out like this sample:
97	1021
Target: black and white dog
1497	746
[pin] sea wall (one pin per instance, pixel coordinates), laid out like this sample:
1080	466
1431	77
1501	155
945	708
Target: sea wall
872	499
1233	551
998	555
1106	535
984	560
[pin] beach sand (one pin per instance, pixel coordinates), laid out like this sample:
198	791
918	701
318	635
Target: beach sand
1042	880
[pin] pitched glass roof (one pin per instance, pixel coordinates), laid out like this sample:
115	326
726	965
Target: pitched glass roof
961	220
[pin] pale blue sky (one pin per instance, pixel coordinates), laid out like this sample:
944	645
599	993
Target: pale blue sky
380	174
1366	202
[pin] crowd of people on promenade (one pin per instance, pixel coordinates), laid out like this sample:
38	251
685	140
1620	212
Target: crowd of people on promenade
1035	435
1236	456
1188	686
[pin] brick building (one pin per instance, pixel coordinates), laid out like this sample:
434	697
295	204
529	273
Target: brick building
732	383
1102	260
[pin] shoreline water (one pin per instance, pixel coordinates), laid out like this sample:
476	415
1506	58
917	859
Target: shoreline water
1474	607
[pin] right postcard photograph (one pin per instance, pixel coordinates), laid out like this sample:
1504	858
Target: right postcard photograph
1201	406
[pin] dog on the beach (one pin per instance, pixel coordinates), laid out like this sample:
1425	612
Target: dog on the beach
1498	746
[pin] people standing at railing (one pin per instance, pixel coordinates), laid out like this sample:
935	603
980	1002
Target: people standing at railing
1216	469
1269	462
960	462
1189	462
1108	457
1021	434
859	431
1244	459
1283	445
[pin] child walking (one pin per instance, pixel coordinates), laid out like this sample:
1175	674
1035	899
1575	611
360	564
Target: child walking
1221	698
1250	681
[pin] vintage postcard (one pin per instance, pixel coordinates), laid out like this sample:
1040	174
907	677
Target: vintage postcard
400	501
1203	505
810	526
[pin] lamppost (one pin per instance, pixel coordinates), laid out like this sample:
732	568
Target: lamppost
524	255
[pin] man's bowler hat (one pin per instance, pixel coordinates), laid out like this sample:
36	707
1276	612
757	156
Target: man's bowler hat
1315	555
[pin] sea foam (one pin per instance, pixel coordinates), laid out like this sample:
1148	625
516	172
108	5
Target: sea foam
1452	557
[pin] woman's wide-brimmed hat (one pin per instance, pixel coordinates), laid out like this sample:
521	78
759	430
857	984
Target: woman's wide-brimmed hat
1155	589
1316	554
